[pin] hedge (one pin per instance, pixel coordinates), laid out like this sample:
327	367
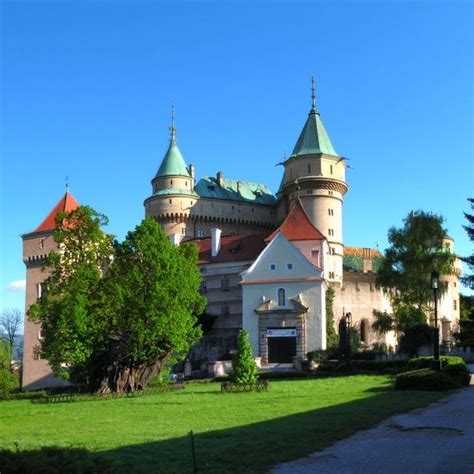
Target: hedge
454	374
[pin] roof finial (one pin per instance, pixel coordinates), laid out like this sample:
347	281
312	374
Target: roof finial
67	184
313	94
172	128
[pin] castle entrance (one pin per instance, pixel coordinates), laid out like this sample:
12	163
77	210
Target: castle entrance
281	345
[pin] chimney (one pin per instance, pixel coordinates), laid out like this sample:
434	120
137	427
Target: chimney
366	260
191	171
219	178
175	239
215	242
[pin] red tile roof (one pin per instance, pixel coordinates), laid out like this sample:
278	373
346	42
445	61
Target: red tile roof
297	226
361	252
234	248
66	204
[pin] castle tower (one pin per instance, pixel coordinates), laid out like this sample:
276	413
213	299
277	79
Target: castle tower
173	192
315	174
36	247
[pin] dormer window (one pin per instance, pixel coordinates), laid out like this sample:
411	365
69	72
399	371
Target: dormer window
289	266
272	267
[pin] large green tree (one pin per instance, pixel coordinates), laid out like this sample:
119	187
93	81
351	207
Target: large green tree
153	300
113	314
416	250
74	329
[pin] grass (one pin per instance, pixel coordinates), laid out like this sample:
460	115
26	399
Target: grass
234	432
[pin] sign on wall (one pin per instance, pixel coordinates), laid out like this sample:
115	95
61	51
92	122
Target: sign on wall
281	332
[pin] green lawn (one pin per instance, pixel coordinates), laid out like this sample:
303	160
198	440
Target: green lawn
234	432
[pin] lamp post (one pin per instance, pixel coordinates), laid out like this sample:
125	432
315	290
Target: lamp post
435	288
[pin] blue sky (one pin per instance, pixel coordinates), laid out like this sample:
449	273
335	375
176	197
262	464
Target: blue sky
87	87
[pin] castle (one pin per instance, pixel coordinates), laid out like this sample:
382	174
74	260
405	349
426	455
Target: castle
266	260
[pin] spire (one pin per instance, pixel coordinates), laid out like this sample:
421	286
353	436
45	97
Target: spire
172	128
173	163
313	138
313	96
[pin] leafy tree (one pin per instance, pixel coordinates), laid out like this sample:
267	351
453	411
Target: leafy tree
7	379
154	299
74	328
10	324
112	314
468	280
416	249
383	322
244	368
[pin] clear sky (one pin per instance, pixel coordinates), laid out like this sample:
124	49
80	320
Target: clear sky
87	89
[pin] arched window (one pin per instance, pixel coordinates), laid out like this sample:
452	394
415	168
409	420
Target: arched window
364	331
281	297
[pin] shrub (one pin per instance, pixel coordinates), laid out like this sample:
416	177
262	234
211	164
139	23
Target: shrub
424	379
365	355
317	356
454	374
244	368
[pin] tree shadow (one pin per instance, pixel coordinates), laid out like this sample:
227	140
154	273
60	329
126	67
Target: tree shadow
249	448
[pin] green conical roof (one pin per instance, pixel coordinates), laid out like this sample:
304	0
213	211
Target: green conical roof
173	163
314	138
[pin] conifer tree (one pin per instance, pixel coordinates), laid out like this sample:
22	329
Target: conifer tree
244	368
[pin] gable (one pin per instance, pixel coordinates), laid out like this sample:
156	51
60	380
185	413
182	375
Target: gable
281	260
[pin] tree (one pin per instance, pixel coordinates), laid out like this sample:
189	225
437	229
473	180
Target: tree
7	379
244	368
154	300
416	250
114	315
465	336
331	336
74	328
10	324
468	280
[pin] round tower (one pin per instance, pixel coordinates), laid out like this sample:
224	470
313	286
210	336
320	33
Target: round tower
315	174
173	192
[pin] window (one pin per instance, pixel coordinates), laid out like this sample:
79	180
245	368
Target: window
184	231
272	267
331	275
41	244
364	331
36	353
281	297
199	234
171	201
289	266
455	304
331	232
225	284
331	169
455	284
171	182
330	212
309	169
186	183
315	256
41	289
40	335
225	310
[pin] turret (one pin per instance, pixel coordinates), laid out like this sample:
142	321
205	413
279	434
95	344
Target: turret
173	191
315	174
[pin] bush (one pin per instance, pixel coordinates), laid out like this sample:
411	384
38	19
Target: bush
454	374
424	379
244	368
365	355
317	356
362	366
